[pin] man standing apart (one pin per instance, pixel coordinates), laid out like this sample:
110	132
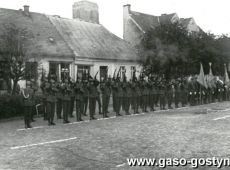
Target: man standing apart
51	99
28	99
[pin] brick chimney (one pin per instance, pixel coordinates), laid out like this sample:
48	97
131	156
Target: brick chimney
126	9
26	9
86	11
126	18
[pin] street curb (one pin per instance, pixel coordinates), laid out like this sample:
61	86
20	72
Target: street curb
35	116
16	118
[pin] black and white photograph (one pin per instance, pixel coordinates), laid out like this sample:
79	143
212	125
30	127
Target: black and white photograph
114	84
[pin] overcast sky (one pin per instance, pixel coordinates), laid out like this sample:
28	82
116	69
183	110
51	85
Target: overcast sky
210	15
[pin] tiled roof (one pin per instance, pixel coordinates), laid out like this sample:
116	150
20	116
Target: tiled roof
185	21
41	28
60	37
145	21
93	40
166	18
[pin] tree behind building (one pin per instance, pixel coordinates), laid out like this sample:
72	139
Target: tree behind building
14	41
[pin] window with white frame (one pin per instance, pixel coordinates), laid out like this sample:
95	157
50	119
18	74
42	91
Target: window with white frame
133	69
65	70
83	71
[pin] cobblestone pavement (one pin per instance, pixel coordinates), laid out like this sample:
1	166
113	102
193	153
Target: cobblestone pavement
199	131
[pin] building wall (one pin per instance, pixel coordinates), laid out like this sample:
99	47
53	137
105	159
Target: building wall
131	33
112	66
175	18
192	26
44	66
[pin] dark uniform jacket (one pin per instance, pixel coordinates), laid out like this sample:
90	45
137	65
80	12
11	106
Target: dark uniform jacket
28	97
93	92
66	92
118	90
129	92
79	91
105	89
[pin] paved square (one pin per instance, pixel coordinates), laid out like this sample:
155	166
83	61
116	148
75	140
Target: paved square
192	132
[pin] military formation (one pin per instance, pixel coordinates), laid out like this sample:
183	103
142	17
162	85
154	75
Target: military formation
134	96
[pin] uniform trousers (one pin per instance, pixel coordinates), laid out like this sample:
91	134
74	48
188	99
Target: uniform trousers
85	104
127	103
27	115
98	100
136	101
50	111
152	101
177	99
79	109
144	100
66	110
92	106
118	101
59	108
105	104
71	106
162	101
44	104
169	99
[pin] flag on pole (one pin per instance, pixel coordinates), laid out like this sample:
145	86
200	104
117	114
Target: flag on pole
210	69
201	77
226	78
211	83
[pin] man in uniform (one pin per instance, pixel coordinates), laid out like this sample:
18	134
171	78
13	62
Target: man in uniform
72	99
59	96
34	87
203	95
126	95
162	89
79	97
93	93
134	96
227	92
86	96
51	99
191	98
169	94
113	93
177	93
28	99
145	95
141	89
44	83
129	95
183	95
152	94
106	91
66	99
157	96
98	98
118	95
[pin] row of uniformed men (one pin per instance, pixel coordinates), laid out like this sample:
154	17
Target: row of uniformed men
87	92
126	94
